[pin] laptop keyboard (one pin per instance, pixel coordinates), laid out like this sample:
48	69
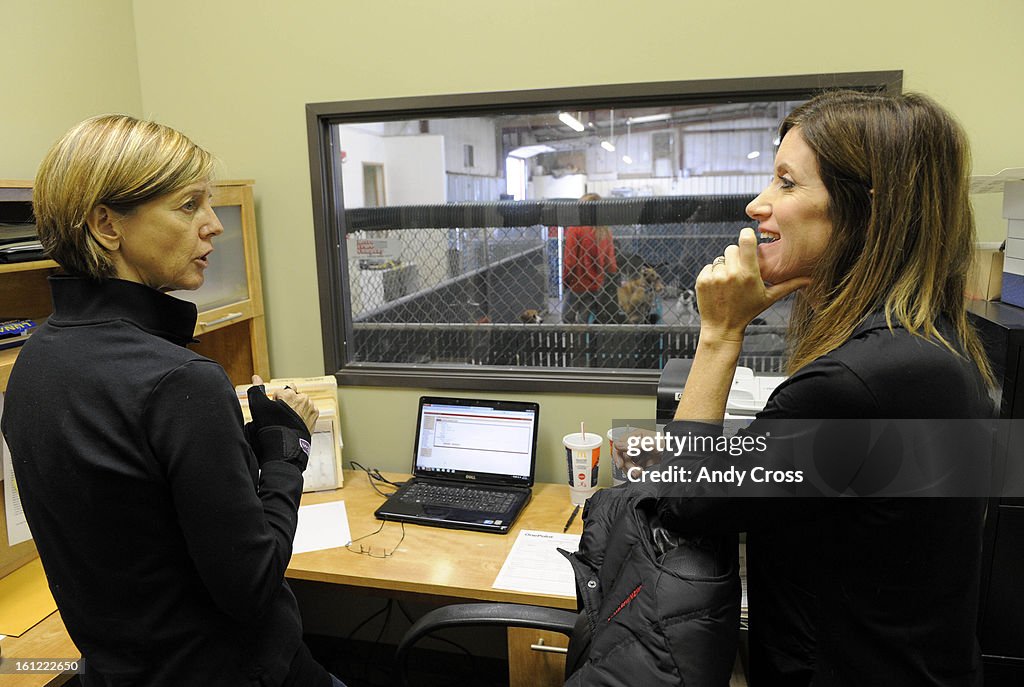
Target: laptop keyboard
467	498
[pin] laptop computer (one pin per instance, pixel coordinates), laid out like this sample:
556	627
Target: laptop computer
473	465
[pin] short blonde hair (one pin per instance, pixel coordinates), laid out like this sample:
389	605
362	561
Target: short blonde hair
113	160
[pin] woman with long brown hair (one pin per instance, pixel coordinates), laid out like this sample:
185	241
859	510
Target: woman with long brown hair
867	217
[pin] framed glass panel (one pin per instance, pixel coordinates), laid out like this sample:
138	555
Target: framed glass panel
539	239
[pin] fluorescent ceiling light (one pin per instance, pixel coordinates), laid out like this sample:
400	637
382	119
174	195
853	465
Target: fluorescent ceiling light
650	118
607	145
627	159
526	152
753	154
570	121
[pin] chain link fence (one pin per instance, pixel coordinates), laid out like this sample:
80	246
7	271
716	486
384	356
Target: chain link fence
486	283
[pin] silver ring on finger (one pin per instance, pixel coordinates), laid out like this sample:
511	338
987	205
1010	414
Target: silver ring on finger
720	260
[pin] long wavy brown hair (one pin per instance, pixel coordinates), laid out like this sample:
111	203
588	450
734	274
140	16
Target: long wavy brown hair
896	171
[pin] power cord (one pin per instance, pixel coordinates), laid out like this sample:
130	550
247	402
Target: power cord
374	476
369	668
469	654
471	669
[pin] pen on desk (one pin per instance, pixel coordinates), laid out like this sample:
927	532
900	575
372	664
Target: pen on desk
571	518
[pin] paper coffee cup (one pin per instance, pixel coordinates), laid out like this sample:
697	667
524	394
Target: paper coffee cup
618	465
582	455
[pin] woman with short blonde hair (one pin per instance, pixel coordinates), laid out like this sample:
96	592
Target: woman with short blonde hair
112	160
164	526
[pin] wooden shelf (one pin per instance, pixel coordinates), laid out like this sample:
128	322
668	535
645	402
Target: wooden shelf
7	358
10	268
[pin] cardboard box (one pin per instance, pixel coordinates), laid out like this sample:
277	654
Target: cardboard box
985	280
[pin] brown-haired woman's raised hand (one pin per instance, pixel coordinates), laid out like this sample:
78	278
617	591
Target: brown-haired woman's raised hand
731	293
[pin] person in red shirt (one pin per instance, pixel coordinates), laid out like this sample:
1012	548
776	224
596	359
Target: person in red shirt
587	266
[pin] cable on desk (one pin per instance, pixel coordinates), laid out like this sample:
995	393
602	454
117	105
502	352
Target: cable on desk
375	476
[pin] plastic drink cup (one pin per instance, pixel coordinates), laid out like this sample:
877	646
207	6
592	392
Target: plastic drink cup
618	466
582	455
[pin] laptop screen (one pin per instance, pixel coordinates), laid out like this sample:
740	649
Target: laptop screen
477	440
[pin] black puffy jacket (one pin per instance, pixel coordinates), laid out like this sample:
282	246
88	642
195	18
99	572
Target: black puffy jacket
658	609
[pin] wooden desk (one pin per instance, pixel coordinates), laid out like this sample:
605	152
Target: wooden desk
431	562
444	565
47	640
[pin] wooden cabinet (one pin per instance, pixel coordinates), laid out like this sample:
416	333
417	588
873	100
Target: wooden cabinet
230	327
534	659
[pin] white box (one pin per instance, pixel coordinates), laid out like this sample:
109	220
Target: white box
1015	249
1013	265
1013	200
1015	229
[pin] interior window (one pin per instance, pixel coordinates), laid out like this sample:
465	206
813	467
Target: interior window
536	239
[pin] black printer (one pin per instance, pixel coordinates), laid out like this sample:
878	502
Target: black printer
670	387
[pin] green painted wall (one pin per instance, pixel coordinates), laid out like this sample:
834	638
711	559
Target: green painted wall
61	62
236	75
243	87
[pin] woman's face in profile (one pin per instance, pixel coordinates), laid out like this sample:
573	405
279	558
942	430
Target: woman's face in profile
166	243
793	213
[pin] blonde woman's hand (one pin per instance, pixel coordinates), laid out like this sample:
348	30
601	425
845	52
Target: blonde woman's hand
299	402
731	293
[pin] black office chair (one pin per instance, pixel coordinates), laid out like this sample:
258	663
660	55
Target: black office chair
671	602
569	623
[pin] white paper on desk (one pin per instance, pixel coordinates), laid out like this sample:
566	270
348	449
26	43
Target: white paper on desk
17	525
323	526
535	566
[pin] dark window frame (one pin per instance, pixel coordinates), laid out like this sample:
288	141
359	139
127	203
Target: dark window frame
330	230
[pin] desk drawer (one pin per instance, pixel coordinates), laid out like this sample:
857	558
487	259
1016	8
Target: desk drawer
528	667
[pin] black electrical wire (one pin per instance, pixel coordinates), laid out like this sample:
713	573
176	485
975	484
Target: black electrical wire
364	623
370	665
387	620
374	476
472	669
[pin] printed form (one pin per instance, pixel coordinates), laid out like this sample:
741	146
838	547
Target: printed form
535	566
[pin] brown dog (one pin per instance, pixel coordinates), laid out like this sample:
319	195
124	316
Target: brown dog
636	295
